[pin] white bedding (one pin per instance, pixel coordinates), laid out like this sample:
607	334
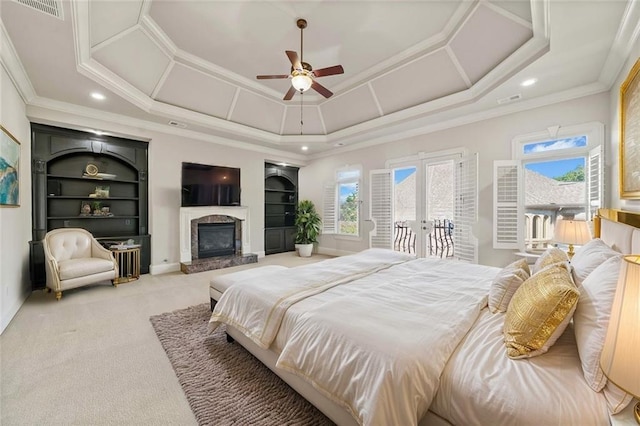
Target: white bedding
481	386
379	352
257	308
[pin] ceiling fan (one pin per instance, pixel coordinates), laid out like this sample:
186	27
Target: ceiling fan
303	76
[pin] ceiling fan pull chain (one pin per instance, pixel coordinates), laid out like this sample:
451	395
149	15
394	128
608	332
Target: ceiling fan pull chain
301	113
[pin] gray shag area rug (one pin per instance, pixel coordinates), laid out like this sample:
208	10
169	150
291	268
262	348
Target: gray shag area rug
223	382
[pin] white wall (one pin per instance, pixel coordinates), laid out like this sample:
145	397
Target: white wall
614	163
15	222
490	138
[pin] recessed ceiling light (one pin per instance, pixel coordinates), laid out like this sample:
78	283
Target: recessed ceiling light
98	96
529	82
304	148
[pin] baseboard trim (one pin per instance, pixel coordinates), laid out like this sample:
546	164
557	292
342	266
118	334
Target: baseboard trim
334	252
8	316
164	268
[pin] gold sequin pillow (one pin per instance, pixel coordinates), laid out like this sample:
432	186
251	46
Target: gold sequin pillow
505	284
549	257
540	311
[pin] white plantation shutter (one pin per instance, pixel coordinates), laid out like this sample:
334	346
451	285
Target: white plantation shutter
329	208
508	212
465	212
381	208
594	182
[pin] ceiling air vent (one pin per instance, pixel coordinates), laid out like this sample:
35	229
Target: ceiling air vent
511	98
177	124
50	7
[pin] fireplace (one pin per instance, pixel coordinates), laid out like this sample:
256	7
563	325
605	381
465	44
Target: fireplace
234	219
216	239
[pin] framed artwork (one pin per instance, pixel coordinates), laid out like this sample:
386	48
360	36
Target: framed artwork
9	169
630	134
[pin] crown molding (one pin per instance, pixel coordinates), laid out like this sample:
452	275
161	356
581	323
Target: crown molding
438	122
626	37
49	111
11	63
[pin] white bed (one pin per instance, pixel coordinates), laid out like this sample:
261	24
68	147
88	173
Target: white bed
353	351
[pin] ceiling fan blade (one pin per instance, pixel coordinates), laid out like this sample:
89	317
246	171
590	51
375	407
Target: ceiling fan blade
266	77
293	57
323	72
321	89
290	93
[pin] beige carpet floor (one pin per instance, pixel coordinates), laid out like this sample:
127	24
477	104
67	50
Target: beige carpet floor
93	358
225	384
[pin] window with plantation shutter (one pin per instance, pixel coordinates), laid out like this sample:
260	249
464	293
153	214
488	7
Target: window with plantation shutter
341	203
508	213
465	214
381	208
594	181
329	209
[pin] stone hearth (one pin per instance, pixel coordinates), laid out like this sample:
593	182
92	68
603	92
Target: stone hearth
219	262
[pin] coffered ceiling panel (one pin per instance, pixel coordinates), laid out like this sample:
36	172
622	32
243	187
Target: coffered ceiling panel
135	58
354	107
258	111
520	8
113	17
486	39
425	79
204	94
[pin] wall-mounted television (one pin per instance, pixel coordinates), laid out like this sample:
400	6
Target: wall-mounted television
205	185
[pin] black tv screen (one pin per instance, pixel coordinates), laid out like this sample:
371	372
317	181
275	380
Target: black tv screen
204	185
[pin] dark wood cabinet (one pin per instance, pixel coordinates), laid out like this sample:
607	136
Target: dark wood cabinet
82	180
281	199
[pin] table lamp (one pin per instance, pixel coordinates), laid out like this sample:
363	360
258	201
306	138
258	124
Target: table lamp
619	360
571	232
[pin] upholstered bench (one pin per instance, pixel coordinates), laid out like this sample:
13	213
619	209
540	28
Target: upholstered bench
221	283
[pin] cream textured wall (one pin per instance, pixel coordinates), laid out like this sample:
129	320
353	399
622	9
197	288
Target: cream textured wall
615	201
490	138
15	222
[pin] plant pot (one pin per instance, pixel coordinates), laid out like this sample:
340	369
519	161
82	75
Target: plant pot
304	250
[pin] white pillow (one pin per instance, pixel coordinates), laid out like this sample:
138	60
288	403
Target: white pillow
506	283
589	257
591	318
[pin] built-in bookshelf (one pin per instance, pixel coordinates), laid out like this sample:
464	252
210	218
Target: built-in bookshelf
81	180
280	200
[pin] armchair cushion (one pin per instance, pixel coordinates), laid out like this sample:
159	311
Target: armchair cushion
81	267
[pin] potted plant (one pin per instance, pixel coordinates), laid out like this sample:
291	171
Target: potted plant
308	224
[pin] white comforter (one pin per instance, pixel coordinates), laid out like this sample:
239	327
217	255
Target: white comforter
256	307
380	353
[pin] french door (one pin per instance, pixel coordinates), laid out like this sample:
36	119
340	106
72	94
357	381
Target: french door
426	206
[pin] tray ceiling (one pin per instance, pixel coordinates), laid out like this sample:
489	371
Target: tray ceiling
194	62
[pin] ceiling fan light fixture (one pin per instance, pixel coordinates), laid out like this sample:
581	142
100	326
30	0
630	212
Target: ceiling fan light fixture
301	82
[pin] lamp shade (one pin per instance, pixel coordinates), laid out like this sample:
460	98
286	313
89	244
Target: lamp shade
620	360
572	232
301	82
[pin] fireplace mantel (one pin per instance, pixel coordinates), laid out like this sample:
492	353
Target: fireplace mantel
187	214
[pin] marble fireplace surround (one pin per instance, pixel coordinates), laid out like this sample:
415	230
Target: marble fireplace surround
187	214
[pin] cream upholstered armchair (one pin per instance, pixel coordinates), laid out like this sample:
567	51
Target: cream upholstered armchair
74	258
